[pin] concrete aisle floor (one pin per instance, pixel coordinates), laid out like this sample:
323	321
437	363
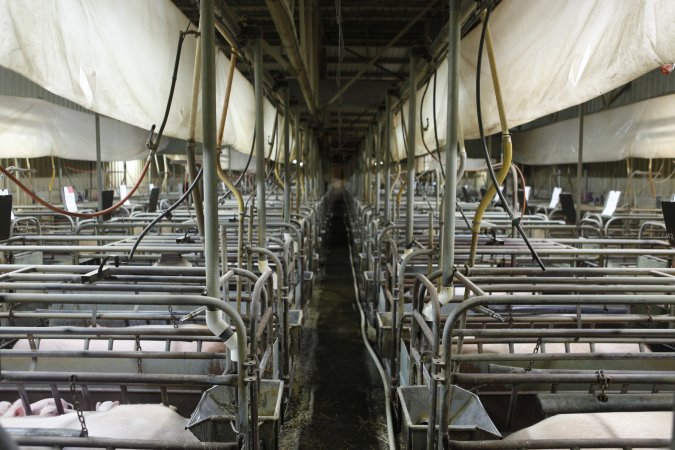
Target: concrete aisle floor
337	400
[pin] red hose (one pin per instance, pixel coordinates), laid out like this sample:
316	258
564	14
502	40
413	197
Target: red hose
93	215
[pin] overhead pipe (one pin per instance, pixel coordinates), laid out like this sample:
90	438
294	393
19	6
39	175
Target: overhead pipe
191	143
283	22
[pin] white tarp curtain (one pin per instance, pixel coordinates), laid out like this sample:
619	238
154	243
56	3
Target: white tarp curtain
640	130
116	58
551	55
31	128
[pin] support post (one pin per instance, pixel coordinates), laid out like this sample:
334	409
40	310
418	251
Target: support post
387	161
450	188
378	167
99	165
287	153
260	141
410	163
450	191
580	162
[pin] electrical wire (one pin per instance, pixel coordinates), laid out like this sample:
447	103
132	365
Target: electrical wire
58	210
426	147
491	171
182	198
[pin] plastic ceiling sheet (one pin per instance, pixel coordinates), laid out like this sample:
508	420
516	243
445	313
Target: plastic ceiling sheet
550	55
31	128
641	130
117	58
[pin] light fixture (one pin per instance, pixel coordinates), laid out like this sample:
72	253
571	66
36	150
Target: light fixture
295	161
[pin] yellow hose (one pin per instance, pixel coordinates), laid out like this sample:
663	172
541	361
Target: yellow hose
221	130
224	178
277	177
404	186
53	178
507	150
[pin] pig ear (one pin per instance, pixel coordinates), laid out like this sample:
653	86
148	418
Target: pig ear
97	405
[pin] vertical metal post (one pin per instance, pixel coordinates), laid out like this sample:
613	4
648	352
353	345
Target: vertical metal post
378	168
450	188
387	161
298	158
99	165
260	140
287	153
305	164
450	191
580	163
208	52
410	166
211	247
368	167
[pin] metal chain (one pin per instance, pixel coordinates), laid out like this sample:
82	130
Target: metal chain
534	352
78	408
174	321
650	319
603	382
139	361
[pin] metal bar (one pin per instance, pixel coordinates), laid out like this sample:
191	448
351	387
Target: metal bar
560	443
561	356
112	354
112	443
666	378
30	377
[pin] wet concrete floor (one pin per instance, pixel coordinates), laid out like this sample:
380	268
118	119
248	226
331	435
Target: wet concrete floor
336	398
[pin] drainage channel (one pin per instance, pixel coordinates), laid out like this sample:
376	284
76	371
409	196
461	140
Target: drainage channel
337	400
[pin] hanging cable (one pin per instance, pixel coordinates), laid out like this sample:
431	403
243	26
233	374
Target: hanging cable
58	210
423	128
182	198
493	176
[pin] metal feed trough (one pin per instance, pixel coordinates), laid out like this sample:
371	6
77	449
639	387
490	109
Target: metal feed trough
469	420
217	409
